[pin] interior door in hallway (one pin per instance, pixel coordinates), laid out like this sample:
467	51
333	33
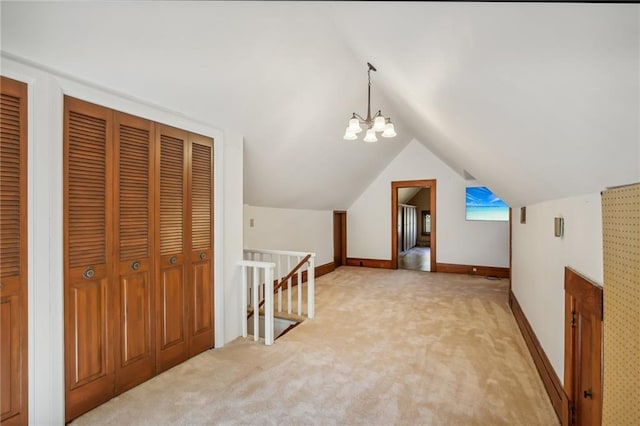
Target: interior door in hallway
398	216
583	349
339	238
13	252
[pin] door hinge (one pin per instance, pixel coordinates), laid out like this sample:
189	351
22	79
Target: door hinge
573	318
572	414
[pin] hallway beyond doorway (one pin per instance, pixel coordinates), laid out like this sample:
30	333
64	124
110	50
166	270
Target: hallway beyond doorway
415	259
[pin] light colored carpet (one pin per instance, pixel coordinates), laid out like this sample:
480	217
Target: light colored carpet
386	347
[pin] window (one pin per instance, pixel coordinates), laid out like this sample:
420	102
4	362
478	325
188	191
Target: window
482	204
426	222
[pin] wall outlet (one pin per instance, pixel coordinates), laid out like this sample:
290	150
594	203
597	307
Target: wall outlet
250	223
474	269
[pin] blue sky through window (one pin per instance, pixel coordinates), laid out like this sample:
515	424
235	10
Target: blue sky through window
482	204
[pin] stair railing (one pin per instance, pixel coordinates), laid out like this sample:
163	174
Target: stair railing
257	277
285	279
291	267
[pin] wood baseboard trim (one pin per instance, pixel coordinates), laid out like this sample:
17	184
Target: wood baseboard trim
545	370
320	271
484	271
325	269
369	263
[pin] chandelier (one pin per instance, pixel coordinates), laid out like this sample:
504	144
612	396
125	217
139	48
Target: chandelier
377	123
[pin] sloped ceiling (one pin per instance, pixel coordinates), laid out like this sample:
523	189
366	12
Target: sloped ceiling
537	101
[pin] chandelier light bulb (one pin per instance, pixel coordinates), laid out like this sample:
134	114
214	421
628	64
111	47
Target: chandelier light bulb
354	126
389	131
371	136
349	136
379	124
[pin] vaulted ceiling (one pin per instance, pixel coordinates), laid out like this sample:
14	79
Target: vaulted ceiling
538	101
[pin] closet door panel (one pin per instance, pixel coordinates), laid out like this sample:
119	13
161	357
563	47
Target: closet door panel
10	364
173	324
13	252
88	312
172	235
135	311
88	247
133	221
201	292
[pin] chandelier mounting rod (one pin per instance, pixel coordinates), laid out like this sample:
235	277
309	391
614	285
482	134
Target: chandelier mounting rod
371	68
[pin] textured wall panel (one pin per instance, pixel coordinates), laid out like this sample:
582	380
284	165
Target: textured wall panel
621	229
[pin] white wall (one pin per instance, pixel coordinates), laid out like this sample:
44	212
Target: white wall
539	259
290	229
45	222
229	296
458	240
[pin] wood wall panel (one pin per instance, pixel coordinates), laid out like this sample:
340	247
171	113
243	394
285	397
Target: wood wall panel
13	252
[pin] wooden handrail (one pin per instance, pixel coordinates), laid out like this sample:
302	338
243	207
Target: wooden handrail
284	280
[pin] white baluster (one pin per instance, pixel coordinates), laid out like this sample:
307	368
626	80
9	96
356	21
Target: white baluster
268	307
279	275
289	283
299	287
256	313
243	311
311	287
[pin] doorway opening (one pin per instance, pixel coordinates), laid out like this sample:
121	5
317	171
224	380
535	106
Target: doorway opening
339	238
413	225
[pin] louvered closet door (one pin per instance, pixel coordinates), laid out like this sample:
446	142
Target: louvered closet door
88	250
13	252
172	238
201	256
133	222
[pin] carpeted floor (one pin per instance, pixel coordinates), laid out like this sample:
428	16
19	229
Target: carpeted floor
386	347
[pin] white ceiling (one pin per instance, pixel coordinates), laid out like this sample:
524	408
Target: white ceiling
538	101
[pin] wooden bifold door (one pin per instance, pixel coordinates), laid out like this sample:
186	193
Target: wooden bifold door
184	212
13	252
133	305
